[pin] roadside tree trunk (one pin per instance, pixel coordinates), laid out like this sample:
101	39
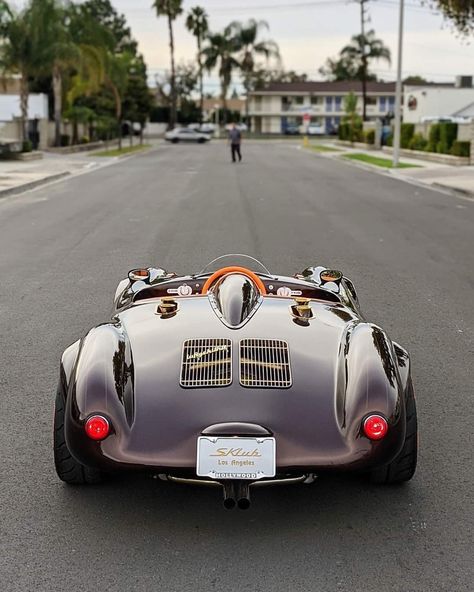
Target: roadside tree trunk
75	133
24	106
364	89
224	104
58	98
201	88
118	111
174	101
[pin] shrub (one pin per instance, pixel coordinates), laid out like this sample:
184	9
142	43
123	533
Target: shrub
433	138
84	140
418	142
369	136
343	131
65	140
406	134
447	135
461	148
27	146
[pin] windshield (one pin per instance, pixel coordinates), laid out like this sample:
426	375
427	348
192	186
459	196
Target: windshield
235	259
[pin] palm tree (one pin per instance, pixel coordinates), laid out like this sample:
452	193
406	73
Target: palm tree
116	78
19	55
197	23
58	52
251	50
221	52
360	51
171	9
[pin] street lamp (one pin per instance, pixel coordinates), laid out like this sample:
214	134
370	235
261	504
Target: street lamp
398	92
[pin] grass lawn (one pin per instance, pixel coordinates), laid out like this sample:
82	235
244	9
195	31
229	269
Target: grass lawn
320	148
377	161
124	150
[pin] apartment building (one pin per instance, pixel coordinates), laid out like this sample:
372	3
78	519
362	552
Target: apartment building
282	104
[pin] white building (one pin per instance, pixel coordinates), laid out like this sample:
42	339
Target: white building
10	107
282	104
439	101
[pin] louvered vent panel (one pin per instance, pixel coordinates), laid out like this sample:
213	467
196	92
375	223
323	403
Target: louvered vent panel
206	362
264	363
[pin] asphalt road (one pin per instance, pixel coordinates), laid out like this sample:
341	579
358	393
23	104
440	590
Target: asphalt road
409	250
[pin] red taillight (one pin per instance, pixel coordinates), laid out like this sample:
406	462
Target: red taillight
375	427
97	427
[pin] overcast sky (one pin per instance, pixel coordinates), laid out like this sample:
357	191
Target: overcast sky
308	31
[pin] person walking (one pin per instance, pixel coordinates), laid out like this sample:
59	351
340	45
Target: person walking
235	138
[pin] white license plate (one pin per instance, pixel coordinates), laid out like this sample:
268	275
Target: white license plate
235	458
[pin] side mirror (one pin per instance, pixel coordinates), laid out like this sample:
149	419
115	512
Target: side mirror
136	275
330	275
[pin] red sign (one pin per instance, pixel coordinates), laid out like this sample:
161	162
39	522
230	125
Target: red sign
306	117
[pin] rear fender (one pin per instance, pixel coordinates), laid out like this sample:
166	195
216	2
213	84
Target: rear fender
368	380
102	381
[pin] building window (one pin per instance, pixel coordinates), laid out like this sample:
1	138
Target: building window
391	102
371	101
316	100
383	104
328	103
299	100
338	101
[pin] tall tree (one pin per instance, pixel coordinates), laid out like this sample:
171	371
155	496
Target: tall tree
221	53
58	52
262	77
19	54
171	9
197	23
459	12
343	68
116	78
104	14
137	101
251	48
360	52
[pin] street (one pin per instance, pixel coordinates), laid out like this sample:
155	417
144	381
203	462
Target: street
408	249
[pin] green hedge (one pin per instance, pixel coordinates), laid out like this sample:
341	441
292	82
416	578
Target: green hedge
406	134
448	133
461	148
418	142
369	136
349	133
434	137
343	131
27	146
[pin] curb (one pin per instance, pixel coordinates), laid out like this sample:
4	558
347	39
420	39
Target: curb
151	148
32	184
463	192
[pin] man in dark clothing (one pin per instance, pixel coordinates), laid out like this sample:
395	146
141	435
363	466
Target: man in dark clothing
235	138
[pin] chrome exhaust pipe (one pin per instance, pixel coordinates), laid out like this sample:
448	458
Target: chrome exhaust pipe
243	495
229	495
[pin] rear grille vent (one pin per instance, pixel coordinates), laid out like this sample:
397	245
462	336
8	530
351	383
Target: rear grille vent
206	362
265	363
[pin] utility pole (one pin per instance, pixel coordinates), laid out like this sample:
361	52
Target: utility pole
398	91
363	20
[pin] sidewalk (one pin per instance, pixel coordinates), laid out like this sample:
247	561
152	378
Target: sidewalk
453	178
17	176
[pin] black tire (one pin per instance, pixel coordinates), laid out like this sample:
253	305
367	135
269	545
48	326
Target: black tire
403	467
68	468
174	140
202	141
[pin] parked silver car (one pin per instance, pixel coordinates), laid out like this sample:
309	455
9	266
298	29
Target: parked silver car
184	134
